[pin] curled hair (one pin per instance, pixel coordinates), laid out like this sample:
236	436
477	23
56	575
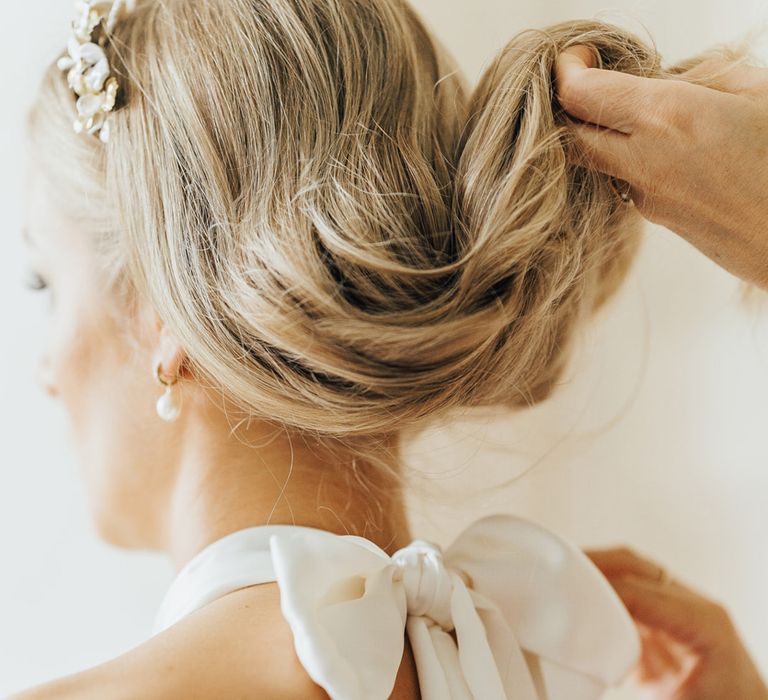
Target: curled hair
344	239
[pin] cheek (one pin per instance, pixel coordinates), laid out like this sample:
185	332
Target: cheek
78	355
108	392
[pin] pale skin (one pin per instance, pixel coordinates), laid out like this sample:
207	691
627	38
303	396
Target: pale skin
696	160
176	487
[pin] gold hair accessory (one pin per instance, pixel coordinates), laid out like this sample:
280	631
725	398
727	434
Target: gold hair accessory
87	65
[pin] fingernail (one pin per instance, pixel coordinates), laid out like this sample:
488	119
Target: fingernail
583	53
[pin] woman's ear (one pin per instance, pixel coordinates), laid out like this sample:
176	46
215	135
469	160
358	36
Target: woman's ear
164	347
169	353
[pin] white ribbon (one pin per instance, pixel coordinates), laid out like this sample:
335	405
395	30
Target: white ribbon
533	617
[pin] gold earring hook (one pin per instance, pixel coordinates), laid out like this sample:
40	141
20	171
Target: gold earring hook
160	379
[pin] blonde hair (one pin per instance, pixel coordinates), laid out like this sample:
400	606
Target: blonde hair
344	240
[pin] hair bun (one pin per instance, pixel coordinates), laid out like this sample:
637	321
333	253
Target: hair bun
311	211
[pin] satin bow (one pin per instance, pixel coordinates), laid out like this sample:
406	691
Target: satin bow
509	611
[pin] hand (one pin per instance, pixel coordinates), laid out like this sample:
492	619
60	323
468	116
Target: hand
690	647
695	157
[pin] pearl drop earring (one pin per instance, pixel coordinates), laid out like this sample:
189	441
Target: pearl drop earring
169	404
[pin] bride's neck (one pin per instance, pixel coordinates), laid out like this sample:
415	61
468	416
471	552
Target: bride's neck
228	481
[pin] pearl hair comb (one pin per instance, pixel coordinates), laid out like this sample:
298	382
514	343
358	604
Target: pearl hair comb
87	65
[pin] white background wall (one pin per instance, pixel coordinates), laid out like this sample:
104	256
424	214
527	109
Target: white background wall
657	440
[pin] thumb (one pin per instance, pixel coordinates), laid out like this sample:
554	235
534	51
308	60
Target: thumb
578	56
601	97
570	65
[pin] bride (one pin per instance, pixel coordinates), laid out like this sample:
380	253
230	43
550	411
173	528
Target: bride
275	235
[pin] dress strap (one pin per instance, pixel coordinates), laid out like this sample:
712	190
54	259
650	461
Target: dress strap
239	559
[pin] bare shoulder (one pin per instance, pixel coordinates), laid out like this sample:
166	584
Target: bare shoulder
237	646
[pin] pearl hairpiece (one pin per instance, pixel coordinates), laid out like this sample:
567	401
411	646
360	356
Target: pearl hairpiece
87	65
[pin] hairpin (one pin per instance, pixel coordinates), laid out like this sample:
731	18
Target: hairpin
87	65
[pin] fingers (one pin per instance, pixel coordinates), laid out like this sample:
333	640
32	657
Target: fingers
611	103
657	659
728	76
621	561
673	608
605	150
685	615
603	97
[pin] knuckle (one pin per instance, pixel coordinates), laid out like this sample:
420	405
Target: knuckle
627	552
719	615
696	69
641	166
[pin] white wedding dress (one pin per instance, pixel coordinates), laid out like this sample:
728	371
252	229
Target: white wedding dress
534	619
